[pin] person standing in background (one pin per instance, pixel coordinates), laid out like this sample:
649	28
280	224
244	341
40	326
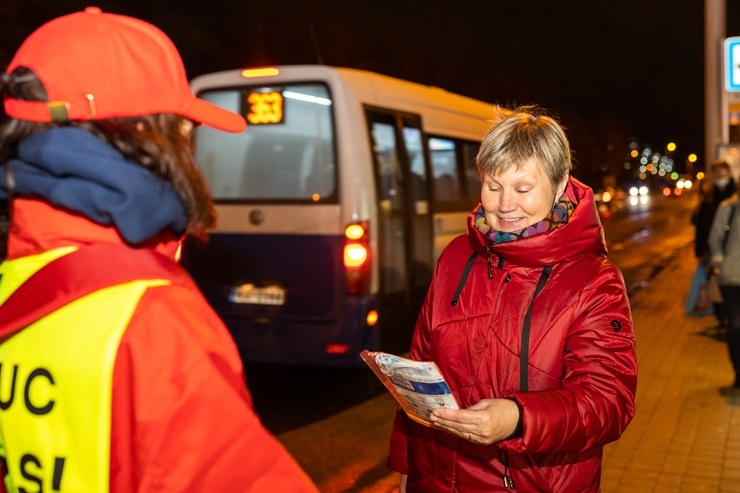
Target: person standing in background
724	247
720	187
117	376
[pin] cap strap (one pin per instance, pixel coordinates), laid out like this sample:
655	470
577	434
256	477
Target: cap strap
60	111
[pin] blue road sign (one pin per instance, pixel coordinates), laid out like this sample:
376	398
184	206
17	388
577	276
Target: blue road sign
732	64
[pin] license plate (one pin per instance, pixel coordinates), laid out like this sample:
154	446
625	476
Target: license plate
249	294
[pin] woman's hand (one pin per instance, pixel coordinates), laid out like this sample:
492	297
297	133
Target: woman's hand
489	421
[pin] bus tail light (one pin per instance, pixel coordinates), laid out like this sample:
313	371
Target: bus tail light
356	257
337	348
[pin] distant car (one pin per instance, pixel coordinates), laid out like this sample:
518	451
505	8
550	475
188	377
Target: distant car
609	199
678	188
639	191
638	195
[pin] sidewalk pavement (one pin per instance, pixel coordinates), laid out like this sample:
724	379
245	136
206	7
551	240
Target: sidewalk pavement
685	436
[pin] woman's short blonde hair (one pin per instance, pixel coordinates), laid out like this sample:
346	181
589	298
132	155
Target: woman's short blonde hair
519	134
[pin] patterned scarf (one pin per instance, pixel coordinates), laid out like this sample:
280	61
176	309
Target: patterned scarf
558	217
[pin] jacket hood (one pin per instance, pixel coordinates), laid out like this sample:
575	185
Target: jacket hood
583	234
73	169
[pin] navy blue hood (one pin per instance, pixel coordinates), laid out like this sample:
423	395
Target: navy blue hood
74	169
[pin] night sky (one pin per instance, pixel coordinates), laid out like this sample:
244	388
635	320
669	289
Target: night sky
611	71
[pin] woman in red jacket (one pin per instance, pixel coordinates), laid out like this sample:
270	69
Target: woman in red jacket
115	374
531	326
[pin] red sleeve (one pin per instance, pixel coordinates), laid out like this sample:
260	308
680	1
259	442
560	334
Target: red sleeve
182	415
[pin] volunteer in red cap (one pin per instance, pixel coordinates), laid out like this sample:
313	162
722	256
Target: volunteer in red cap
115	375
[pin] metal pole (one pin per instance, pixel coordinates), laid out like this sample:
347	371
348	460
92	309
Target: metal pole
716	129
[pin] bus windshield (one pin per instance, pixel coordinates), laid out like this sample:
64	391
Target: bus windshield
285	155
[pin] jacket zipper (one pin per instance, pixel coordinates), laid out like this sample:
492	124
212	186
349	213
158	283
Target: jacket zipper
508	480
489	251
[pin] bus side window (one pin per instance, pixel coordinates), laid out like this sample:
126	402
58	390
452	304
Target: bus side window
413	141
392	204
388	168
446	182
472	178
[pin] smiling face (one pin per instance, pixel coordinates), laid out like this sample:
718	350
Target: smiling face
519	196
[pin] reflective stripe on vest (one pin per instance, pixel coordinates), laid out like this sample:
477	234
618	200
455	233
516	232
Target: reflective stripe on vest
55	389
16	272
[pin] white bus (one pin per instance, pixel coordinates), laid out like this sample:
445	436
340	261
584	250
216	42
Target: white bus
333	206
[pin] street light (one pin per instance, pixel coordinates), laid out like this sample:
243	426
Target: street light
690	160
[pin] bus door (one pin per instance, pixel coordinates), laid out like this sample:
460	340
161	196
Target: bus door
405	243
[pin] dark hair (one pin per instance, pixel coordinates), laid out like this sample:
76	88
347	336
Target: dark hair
161	143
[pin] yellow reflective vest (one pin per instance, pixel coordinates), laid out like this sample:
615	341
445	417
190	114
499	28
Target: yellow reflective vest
56	376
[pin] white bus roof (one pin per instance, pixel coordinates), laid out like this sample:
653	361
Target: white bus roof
442	112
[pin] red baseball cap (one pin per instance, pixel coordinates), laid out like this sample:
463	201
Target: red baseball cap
96	66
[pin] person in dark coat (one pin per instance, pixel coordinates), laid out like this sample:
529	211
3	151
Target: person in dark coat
721	187
724	245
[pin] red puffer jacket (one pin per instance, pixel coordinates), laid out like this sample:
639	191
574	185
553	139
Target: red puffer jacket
182	417
575	379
